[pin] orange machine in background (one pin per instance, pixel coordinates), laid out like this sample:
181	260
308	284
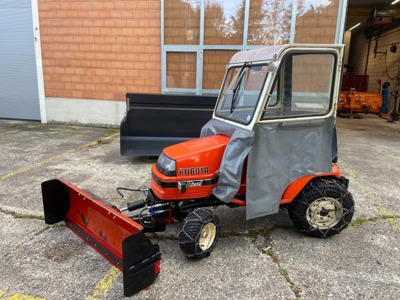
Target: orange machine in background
359	102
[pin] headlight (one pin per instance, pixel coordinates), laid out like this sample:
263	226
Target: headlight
166	165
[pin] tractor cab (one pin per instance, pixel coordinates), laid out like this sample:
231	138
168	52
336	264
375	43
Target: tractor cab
277	106
287	83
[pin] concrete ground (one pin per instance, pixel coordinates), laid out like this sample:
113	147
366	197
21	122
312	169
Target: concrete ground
263	258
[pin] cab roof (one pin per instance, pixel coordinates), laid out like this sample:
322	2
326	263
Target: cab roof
272	52
259	54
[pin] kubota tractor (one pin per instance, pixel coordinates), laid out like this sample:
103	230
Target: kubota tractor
270	144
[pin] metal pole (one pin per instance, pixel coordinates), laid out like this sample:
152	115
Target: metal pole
293	22
341	20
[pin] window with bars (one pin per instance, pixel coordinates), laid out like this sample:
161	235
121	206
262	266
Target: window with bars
200	36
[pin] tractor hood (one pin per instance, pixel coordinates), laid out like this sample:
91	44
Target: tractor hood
198	157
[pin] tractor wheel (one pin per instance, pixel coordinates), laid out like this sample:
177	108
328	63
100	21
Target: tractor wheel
324	208
199	234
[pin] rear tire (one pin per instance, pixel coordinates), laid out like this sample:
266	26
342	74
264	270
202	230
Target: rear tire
324	208
199	234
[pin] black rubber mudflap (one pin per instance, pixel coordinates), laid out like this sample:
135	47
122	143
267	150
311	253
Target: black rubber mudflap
141	263
55	201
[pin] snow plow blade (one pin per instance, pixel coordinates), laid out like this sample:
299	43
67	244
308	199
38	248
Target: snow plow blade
115	236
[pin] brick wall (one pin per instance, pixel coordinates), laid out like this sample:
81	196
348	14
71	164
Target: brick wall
100	49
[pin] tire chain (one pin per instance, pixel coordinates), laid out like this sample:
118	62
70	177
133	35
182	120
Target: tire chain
191	218
322	191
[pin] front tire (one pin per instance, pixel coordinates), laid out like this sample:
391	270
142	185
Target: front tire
199	234
324	208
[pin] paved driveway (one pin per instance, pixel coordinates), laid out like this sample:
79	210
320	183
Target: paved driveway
263	258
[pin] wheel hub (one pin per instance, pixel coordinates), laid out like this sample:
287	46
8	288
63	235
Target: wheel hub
324	213
207	236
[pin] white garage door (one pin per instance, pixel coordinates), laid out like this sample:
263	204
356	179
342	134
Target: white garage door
19	96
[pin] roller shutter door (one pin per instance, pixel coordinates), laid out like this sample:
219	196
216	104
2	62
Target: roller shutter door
19	97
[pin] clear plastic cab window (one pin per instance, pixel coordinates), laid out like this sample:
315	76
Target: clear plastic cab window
303	87
241	91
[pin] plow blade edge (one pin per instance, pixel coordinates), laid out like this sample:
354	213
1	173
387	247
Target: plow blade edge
115	236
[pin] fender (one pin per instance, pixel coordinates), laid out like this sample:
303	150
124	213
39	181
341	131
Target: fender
296	186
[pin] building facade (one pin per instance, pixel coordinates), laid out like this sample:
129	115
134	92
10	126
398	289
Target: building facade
94	52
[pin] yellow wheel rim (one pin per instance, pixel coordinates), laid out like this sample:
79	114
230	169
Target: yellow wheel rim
207	236
324	213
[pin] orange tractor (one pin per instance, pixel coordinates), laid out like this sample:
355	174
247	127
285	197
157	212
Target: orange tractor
270	144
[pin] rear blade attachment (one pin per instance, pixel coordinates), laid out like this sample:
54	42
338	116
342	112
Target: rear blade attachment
115	236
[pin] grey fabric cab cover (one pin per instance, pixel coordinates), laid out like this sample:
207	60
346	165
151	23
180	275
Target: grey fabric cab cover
239	146
278	153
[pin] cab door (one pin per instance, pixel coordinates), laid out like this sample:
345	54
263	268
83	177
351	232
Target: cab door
295	135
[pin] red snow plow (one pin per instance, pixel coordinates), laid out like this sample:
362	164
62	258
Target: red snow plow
116	237
270	145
